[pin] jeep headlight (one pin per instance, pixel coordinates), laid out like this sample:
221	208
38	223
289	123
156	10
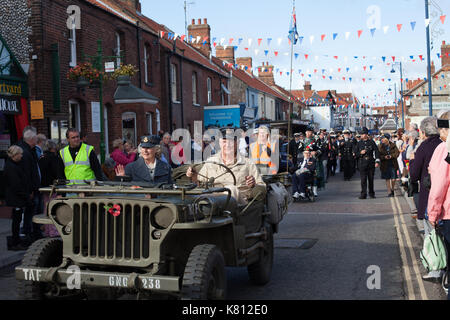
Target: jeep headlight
63	214
162	217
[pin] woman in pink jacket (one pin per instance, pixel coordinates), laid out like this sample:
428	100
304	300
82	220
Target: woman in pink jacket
119	156
439	198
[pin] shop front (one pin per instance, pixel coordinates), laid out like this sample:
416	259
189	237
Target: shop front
13	105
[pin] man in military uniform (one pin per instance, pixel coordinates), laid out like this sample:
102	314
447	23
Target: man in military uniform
347	156
368	156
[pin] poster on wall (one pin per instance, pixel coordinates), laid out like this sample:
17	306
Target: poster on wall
95	113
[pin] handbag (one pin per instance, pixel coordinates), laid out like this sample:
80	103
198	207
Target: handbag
433	254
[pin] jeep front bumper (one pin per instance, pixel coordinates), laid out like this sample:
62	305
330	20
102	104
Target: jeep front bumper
78	279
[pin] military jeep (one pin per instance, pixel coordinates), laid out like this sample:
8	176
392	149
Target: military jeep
151	241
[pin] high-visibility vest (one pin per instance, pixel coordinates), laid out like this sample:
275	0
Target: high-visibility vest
263	157
78	171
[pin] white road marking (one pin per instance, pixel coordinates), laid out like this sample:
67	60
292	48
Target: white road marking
409	288
423	292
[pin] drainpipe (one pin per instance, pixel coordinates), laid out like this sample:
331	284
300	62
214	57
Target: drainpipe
139	53
181	89
169	102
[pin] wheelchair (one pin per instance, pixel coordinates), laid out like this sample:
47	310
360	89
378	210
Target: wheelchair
309	194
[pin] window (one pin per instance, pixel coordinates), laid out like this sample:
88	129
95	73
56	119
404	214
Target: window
209	90
129	126
194	88
118	49
73	45
147	64
74	115
173	81
253	101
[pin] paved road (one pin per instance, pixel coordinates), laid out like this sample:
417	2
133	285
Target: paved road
324	250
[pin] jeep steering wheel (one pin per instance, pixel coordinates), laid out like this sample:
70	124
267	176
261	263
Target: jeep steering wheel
224	166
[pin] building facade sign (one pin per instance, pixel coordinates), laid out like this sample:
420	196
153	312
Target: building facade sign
437	105
10	105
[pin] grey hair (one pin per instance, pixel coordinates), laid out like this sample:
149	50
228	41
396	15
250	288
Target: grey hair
41	138
429	126
49	145
29	134
413	134
414	126
167	135
13	150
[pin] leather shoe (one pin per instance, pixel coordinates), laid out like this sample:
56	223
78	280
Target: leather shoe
372	196
362	197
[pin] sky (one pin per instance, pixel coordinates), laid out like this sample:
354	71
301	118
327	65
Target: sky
335	52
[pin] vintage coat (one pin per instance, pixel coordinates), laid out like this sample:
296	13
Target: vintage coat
418	170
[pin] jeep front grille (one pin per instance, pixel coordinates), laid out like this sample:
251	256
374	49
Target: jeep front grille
121	240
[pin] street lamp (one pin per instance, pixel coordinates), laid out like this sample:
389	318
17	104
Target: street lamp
401	90
395	104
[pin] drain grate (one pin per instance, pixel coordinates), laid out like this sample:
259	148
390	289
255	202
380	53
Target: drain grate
294	243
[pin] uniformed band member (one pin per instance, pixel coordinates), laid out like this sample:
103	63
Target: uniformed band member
347	155
368	156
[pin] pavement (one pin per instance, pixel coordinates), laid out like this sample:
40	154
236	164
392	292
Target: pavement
7	257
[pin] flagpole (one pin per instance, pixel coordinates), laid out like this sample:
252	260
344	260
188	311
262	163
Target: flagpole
290	95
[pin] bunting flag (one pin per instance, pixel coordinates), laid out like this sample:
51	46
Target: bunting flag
385	29
347	35
322	37
399	27
359	33
413	25
372	31
335	36
442	19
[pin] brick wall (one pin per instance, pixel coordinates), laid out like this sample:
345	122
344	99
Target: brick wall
96	24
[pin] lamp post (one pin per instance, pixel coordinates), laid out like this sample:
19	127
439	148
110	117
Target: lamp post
401	90
97	62
395	103
430	92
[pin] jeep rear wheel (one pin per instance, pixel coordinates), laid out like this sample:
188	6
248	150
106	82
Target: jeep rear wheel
260	271
204	275
42	253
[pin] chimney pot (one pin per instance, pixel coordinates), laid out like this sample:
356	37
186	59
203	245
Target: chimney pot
199	21
443	43
193	21
205	21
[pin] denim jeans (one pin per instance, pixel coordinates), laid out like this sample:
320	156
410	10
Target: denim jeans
445	230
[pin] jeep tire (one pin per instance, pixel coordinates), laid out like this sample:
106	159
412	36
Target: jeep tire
204	275
260	271
42	253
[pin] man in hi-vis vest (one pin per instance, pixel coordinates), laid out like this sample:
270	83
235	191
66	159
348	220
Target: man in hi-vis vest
78	162
261	152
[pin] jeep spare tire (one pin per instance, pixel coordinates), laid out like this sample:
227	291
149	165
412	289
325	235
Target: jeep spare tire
204	275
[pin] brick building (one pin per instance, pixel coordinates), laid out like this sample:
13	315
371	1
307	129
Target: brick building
180	75
416	96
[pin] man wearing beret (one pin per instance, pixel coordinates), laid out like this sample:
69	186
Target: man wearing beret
368	156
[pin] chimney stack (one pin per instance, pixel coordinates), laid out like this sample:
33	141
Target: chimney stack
132	5
266	74
445	50
248	62
202	30
307	86
225	54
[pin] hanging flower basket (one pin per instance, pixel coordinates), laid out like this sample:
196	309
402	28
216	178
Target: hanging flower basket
84	74
123	80
123	74
82	82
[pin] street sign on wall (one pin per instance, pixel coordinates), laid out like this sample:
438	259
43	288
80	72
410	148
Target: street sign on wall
222	116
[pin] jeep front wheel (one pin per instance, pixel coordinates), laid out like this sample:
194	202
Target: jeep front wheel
43	253
204	275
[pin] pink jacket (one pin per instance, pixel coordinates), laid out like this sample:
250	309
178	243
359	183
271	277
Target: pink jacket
120	158
439	198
